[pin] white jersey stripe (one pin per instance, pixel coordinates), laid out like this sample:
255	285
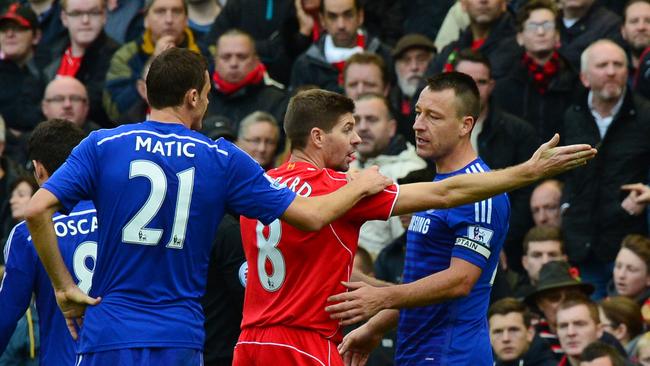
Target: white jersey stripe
216	147
282	345
489	211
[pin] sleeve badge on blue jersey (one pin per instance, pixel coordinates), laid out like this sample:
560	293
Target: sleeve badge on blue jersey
480	234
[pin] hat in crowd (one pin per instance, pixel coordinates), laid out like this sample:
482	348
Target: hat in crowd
557	274
20	14
218	126
413	40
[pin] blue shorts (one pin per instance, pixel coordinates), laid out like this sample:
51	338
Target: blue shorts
142	357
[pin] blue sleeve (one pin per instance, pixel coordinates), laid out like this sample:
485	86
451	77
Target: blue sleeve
75	179
476	232
17	283
251	192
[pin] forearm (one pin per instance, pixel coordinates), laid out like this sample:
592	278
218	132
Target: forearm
45	241
433	289
384	321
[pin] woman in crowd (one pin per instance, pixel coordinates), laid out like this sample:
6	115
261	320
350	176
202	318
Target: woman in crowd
631	275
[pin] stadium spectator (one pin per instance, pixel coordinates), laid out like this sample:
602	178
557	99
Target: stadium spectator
578	325
395	157
386	19
541	83
124	20
540	246
491	32
177	89
609	116
639	193
545	203
582	22
259	136
601	354
501	140
66	98
323	62
140	109
455	22
201	15
165	26
642	354
49	146
264	21
9	172
513	336
451	254
636	30
631	276
301	27
48	13
85	53
412	54
557	282
21	190
22	81
241	84
365	73
621	317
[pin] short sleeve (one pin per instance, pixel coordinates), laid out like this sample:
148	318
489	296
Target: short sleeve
376	207
251	192
75	179
475	232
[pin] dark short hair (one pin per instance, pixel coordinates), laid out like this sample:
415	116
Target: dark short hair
467	96
630	3
599	349
524	12
623	310
509	305
314	108
640	246
52	141
543	233
149	3
233	32
172	74
380	97
365	58
475	56
357	6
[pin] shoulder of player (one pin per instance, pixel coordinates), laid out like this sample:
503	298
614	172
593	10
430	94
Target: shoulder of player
17	239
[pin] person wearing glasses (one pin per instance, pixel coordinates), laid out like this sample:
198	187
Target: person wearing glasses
67	98
259	135
84	53
541	82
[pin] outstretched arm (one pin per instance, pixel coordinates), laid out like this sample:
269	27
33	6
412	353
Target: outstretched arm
547	161
70	298
313	213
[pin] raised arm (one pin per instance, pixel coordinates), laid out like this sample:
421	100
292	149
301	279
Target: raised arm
547	161
313	213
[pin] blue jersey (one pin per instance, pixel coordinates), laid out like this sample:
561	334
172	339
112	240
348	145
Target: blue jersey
160	191
77	238
453	332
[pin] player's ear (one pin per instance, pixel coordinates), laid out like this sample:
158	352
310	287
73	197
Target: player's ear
192	97
40	173
317	136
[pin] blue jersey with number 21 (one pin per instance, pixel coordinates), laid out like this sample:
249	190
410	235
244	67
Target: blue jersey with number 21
160	191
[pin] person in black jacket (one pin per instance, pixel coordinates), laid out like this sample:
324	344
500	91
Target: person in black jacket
323	62
491	31
85	53
501	140
241	84
541	83
513	337
617	122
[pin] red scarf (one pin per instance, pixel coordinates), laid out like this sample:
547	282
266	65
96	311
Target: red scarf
477	44
361	42
316	31
543	74
69	64
254	77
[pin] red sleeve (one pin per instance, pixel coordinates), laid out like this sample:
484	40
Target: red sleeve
377	207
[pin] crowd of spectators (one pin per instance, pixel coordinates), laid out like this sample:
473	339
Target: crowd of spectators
574	278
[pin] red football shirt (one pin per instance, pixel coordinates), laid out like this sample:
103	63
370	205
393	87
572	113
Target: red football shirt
291	273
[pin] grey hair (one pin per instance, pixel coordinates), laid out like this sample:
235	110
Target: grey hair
586	54
257	117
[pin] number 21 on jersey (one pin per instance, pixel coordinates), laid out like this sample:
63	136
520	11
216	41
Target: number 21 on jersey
269	253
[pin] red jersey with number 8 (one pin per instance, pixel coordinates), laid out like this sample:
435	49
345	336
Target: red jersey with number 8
291	273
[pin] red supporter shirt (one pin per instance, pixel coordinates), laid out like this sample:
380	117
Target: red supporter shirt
300	270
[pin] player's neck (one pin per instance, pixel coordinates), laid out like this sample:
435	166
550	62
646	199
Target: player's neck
461	155
307	157
170	115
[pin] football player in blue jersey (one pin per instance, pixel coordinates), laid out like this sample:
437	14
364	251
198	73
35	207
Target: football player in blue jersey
451	254
160	190
49	145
